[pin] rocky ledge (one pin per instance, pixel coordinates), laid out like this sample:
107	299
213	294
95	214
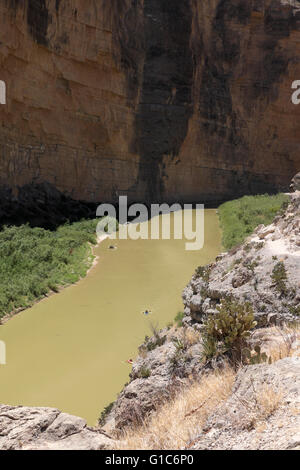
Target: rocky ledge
248	420
158	375
23	428
265	271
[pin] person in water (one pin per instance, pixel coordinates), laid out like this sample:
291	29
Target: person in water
147	312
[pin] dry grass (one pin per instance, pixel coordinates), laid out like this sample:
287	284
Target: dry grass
260	428
285	338
255	412
181	419
277	342
268	401
190	337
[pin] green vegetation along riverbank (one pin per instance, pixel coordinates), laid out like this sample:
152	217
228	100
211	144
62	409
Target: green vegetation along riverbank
35	261
240	217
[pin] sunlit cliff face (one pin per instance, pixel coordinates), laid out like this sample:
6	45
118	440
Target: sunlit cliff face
163	101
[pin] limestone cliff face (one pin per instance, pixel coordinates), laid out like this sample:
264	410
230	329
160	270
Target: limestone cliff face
187	100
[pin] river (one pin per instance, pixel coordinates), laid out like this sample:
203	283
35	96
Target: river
70	350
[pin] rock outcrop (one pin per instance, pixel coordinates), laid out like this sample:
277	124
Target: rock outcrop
265	271
156	375
24	428
295	186
175	365
261	414
188	100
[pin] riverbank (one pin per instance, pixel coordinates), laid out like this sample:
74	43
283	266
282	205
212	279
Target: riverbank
37	263
100	239
91	258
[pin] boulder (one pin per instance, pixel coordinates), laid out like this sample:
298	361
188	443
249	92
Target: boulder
23	428
261	413
295	184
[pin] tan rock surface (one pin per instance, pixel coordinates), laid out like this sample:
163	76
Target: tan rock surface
247	273
23	428
160	100
245	421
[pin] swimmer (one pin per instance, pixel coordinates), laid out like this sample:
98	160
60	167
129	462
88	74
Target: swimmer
147	312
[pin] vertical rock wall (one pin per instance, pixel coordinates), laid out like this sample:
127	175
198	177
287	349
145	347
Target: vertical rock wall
188	100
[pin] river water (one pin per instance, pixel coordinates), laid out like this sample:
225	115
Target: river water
70	350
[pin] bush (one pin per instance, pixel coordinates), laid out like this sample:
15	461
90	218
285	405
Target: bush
105	413
34	261
203	272
240	217
144	373
226	331
159	341
258	357
178	319
178	355
279	277
209	347
156	341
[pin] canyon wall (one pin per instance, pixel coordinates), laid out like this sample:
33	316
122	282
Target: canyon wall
182	100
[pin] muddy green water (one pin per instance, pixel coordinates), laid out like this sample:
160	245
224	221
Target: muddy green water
70	351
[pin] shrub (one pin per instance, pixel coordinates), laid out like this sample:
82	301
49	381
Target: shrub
279	277
178	319
203	272
179	345
257	358
190	337
144	373
227	330
105	413
263	403
156	341
209	347
294	310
